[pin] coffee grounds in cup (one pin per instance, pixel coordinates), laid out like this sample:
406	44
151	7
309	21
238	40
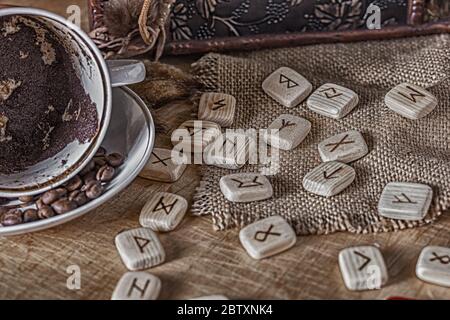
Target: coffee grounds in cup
43	105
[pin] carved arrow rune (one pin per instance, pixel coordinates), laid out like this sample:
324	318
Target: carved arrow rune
366	260
331	175
333	93
413	95
290	83
141	243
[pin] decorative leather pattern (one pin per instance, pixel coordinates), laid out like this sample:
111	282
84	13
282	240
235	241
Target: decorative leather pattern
207	19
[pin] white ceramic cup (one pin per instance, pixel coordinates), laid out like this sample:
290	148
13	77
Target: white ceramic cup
97	77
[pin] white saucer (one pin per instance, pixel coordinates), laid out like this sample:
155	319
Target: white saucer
131	133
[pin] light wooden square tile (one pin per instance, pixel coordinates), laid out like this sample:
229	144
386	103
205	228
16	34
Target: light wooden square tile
137	286
161	167
246	187
163	212
217	107
140	249
329	178
229	151
410	101
405	201
433	265
363	268
333	101
211	298
195	135
344	147
290	132
287	87
267	237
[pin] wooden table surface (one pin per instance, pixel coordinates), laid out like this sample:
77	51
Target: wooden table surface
200	261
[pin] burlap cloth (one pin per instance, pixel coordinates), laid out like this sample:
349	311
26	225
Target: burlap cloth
400	149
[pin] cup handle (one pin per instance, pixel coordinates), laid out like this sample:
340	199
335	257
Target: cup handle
126	72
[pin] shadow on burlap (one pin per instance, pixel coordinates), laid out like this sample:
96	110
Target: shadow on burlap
400	149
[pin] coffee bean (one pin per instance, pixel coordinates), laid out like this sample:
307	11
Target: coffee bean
89	167
78	197
89	177
53	195
12	218
26	199
115	159
46	212
30	215
105	173
101	152
74	184
100	161
93	189
39	203
64	205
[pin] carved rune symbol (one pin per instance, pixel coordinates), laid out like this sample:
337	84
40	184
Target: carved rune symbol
248	184
442	259
166	207
163	161
141	243
413	95
192	131
262	236
219	104
331	175
286	123
336	145
405	200
334	93
290	83
134	286
366	260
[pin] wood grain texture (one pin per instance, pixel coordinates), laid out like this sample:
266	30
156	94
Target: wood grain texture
162	167
344	147
246	187
287	87
287	132
333	101
410	101
137	286
200	261
195	135
405	201
433	265
329	178
217	107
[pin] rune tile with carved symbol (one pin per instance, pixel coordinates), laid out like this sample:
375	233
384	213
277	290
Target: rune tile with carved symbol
162	167
163	212
287	132
267	237
246	187
410	101
329	178
363	268
137	286
332	100
433	265
344	147
218	108
230	150
195	135
405	201
140	249
287	87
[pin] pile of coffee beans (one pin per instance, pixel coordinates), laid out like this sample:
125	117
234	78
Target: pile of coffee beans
88	185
